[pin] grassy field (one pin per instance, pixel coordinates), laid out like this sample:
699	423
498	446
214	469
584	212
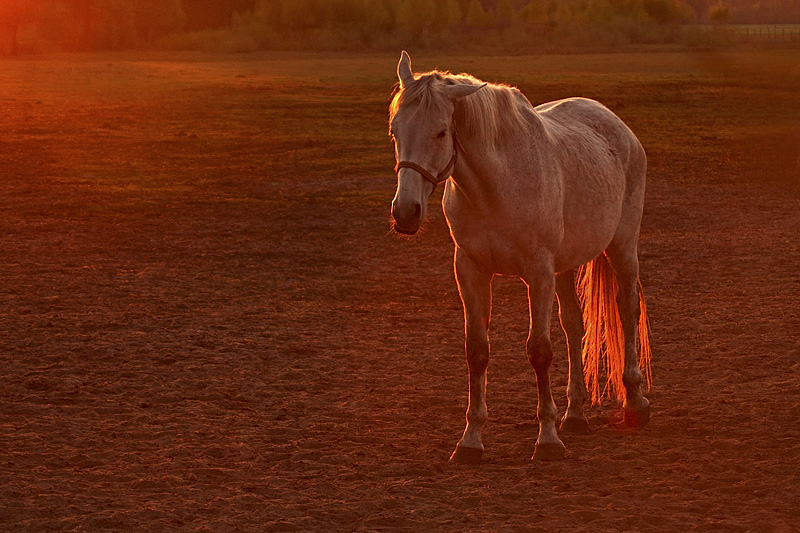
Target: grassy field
207	328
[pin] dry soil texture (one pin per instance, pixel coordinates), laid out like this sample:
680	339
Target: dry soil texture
207	327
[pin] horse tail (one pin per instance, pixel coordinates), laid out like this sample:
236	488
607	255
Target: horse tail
604	340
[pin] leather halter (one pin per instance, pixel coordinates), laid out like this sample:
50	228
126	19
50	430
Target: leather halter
444	174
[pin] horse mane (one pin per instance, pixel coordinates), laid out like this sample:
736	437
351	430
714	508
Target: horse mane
494	113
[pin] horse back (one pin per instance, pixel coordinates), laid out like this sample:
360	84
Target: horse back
587	125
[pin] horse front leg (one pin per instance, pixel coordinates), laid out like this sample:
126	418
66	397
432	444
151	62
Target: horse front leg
541	288
475	288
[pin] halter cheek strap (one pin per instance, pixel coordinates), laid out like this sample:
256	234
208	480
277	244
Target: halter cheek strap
435	180
444	174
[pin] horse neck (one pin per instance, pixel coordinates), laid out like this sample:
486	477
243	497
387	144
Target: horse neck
482	165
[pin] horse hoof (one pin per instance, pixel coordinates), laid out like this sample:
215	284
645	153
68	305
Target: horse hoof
466	456
549	451
637	418
574	425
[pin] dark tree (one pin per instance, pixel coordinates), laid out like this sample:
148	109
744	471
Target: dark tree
13	14
155	18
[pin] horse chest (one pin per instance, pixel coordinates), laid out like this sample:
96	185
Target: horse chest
496	246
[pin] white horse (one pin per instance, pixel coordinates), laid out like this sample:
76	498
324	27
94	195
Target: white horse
552	194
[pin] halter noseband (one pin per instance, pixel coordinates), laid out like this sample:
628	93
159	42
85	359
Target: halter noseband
444	174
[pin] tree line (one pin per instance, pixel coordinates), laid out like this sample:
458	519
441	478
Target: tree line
359	24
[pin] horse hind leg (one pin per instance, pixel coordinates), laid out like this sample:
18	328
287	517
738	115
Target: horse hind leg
625	263
571	317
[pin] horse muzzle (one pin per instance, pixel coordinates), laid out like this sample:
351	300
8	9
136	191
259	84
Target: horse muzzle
407	217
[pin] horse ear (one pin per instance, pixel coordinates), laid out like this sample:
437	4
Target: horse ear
460	91
404	73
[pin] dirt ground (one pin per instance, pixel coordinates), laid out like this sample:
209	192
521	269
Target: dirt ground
206	327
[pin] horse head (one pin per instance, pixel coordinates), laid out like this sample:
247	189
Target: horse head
426	144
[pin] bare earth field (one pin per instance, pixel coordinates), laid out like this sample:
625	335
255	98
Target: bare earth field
206	327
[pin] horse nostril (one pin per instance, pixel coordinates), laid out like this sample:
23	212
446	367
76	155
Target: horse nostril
406	212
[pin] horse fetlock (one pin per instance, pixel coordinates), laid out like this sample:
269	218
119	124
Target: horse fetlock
477	417
635	400
574	424
636	408
576	392
576	399
632	379
547	415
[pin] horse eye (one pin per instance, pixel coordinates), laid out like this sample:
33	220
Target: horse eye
441	134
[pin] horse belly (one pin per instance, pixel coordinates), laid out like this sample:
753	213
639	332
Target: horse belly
578	250
589	227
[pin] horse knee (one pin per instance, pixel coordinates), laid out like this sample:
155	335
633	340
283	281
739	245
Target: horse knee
477	348
540	353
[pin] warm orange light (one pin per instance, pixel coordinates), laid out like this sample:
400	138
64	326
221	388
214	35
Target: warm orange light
11	11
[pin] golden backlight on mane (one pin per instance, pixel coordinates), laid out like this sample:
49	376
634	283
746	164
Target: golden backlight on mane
488	115
422	94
